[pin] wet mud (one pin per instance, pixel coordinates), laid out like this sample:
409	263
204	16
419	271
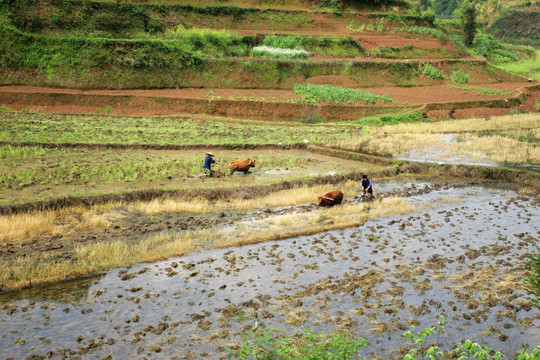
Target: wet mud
461	257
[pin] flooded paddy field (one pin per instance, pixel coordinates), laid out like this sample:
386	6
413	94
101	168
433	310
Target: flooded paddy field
461	254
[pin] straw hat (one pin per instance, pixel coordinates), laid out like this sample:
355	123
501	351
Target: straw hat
210	153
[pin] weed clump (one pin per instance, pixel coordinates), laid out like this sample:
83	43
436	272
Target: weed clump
432	72
460	76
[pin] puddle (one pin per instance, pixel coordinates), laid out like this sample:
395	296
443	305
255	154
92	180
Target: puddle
462	258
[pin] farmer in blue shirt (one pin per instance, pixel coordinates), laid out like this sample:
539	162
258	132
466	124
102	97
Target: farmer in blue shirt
208	161
366	186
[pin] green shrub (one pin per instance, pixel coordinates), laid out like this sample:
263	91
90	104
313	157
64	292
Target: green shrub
335	94
432	72
460	76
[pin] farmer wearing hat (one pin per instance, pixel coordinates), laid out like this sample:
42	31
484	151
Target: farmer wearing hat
208	161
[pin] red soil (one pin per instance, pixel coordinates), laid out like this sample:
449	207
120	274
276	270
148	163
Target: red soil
440	100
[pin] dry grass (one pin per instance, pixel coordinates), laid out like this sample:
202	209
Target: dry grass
24	227
295	196
462	147
499	123
17	227
89	259
103	256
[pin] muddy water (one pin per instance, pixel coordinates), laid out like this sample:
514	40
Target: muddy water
462	258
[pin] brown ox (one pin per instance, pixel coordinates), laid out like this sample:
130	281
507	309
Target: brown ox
332	198
241	165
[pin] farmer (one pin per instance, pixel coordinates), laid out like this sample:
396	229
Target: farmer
208	161
366	186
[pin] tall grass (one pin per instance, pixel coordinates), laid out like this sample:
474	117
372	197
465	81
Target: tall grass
335	94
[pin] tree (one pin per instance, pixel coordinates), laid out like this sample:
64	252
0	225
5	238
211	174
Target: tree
468	21
444	8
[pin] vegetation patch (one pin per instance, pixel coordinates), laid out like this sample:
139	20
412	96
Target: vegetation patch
279	53
422	30
335	94
432	72
211	43
391	119
460	76
319	45
482	91
90	129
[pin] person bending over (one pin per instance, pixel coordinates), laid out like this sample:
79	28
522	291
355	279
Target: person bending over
367	188
208	161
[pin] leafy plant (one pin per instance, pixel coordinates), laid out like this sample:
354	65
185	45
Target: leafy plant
308	346
460	76
533	281
432	72
313	93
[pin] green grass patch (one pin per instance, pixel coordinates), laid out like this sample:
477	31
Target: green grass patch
461	77
24	166
336	95
432	72
392	119
528	67
482	91
47	128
